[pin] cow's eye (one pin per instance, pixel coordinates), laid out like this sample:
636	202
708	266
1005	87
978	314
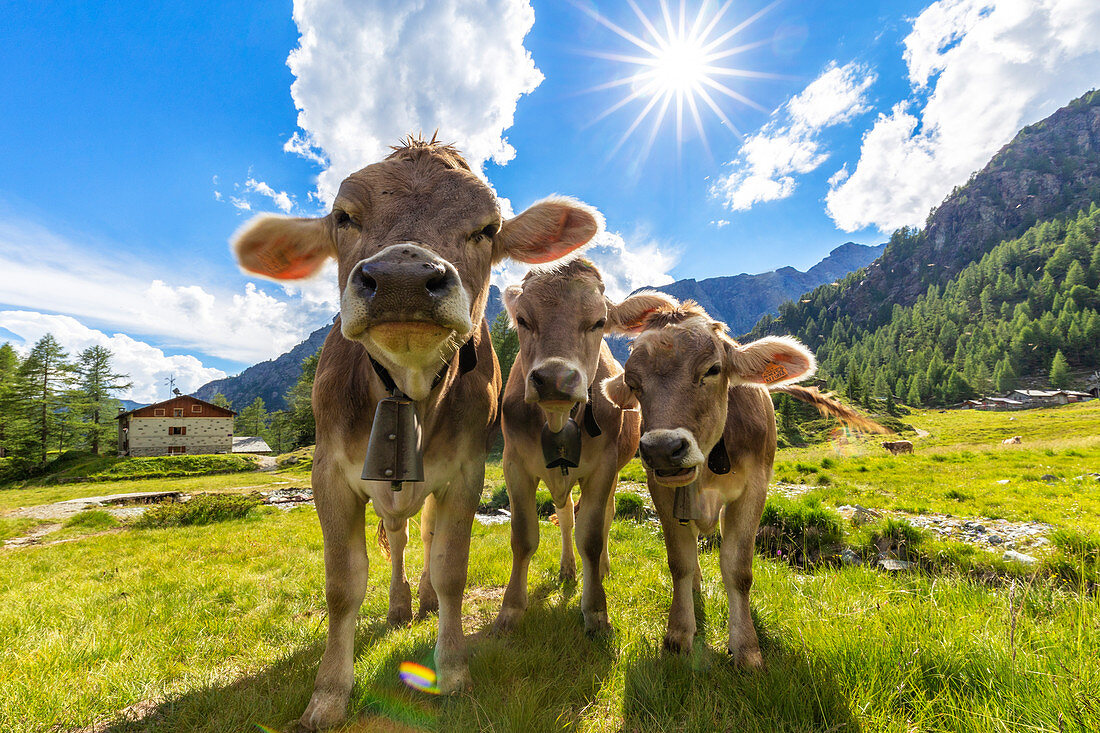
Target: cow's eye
633	386
487	232
343	219
713	371
522	323
598	325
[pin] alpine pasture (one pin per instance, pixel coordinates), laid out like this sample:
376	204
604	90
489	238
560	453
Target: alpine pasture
109	626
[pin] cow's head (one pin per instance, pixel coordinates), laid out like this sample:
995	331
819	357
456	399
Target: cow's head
415	236
561	315
680	369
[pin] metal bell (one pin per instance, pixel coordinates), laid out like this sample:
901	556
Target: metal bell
683	503
562	449
393	453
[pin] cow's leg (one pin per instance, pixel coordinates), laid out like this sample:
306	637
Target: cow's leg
592	542
525	540
455	508
428	601
567	570
608	516
397	531
342	525
683	558
740	521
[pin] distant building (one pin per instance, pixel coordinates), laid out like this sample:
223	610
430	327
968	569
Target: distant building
1049	397
994	403
249	444
183	425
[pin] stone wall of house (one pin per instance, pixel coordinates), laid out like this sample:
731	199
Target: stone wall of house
150	436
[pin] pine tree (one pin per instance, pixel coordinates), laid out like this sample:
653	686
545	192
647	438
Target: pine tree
12	419
1059	371
97	384
221	401
300	421
253	419
46	375
505	343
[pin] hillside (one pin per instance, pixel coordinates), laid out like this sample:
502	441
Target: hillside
999	322
1050	169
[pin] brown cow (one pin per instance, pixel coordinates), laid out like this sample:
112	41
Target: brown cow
560	316
709	437
898	446
415	236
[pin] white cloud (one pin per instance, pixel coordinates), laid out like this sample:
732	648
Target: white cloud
985	69
282	199
789	145
625	268
146	365
45	272
719	223
367	75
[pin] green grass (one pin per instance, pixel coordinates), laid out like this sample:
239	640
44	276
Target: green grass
74	466
93	520
228	633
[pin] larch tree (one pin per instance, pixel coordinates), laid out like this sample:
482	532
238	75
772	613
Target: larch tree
97	386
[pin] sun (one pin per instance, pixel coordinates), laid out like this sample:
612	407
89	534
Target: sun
680	68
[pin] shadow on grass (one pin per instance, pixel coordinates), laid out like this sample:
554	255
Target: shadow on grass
704	691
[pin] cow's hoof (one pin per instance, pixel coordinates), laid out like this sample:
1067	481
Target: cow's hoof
747	657
567	575
596	624
429	601
506	620
399	616
679	642
325	710
452	680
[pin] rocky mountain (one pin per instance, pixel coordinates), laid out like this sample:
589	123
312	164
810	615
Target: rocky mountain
738	299
1049	170
268	379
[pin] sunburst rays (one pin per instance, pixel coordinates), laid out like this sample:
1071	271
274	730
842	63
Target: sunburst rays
678	67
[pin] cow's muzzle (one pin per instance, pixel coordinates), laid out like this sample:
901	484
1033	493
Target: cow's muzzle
556	386
672	455
407	299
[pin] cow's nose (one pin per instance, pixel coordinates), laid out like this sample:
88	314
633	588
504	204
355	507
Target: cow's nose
556	381
415	279
664	449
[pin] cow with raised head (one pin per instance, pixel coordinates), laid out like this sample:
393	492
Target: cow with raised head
708	443
414	236
552	398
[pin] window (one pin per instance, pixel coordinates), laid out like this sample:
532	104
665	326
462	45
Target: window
158	412
177	412
176	450
177	431
196	408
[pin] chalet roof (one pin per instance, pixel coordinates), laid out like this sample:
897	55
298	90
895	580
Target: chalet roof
1049	392
250	444
181	401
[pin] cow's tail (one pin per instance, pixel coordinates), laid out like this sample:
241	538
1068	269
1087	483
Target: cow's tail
831	407
383	540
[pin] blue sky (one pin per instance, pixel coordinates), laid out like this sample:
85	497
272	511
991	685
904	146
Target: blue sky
137	139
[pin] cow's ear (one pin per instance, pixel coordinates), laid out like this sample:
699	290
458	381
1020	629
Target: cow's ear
547	231
615	389
282	247
629	317
510	297
772	360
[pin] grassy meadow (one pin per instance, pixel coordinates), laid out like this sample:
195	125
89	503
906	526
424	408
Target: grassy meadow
220	627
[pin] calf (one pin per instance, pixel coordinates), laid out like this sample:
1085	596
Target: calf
1014	440
560	316
415	236
898	446
708	442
